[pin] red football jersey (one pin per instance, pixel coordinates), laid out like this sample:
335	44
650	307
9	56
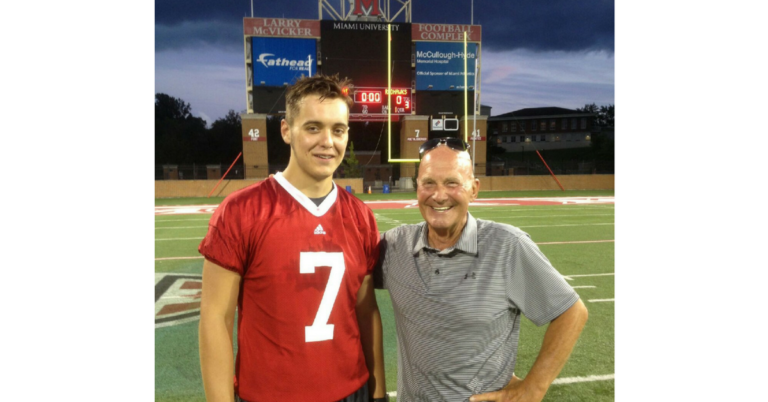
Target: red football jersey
301	267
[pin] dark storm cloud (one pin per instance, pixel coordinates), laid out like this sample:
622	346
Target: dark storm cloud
189	24
539	25
171	12
194	34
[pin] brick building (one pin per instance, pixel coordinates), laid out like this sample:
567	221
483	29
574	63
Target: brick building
544	127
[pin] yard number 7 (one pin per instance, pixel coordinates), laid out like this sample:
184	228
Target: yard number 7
320	330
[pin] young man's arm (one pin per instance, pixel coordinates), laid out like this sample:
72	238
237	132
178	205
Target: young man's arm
369	320
217	316
559	339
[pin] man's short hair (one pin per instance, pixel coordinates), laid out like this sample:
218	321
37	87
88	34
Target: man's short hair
326	87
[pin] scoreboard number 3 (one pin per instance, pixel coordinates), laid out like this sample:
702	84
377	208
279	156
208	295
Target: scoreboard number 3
320	330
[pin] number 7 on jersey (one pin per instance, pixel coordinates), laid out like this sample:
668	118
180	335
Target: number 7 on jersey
320	330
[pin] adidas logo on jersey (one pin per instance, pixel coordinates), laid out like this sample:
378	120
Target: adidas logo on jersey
319	230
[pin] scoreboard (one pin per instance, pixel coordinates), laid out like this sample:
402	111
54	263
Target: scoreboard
426	76
371	103
358	50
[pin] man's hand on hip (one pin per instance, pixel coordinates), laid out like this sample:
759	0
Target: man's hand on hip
516	391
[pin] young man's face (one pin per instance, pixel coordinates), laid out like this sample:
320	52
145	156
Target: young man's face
318	136
445	189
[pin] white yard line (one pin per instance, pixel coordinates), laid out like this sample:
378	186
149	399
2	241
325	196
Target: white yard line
570	277
558	381
481	211
571	380
178	258
182	238
496	216
385	219
572	224
184	227
600	300
583	287
183	220
586	275
577	242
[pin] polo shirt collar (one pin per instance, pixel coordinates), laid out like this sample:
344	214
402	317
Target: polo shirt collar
467	242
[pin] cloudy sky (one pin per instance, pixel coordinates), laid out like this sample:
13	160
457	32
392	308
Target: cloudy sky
535	53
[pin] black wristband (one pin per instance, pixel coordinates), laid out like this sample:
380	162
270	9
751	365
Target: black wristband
384	398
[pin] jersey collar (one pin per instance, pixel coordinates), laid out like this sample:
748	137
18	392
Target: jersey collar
316	210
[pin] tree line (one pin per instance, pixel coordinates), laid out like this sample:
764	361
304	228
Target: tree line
181	138
603	114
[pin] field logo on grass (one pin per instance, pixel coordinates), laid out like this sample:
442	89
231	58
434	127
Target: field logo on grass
177	298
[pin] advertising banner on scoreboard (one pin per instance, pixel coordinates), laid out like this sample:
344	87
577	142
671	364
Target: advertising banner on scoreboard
281	27
282	60
446	32
440	66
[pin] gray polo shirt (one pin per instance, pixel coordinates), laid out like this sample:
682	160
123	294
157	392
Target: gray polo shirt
457	310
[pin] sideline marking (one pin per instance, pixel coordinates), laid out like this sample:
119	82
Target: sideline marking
600	300
558	381
583	287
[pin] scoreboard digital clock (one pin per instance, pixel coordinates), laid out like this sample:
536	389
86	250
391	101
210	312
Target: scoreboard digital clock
373	101
367	96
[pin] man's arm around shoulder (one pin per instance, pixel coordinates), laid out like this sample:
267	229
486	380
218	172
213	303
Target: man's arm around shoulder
217	316
559	339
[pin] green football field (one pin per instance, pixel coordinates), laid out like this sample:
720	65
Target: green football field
577	238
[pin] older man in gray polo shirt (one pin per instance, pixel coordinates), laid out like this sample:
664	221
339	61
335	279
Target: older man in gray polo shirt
458	286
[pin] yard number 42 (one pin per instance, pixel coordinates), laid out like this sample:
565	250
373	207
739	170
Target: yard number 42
320	330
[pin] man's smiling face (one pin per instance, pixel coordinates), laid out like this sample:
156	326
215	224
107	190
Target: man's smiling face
445	189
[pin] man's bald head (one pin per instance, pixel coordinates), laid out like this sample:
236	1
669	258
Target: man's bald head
459	160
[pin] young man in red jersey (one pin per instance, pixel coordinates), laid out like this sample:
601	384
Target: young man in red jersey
295	255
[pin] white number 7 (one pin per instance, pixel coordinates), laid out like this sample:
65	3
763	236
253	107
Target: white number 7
320	330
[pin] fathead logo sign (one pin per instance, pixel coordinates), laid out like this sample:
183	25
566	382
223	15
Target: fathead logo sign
263	58
283	62
366	7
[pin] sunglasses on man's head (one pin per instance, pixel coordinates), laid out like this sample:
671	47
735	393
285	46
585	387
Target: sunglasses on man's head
453	143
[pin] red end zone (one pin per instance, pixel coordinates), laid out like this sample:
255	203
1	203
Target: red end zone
397	204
